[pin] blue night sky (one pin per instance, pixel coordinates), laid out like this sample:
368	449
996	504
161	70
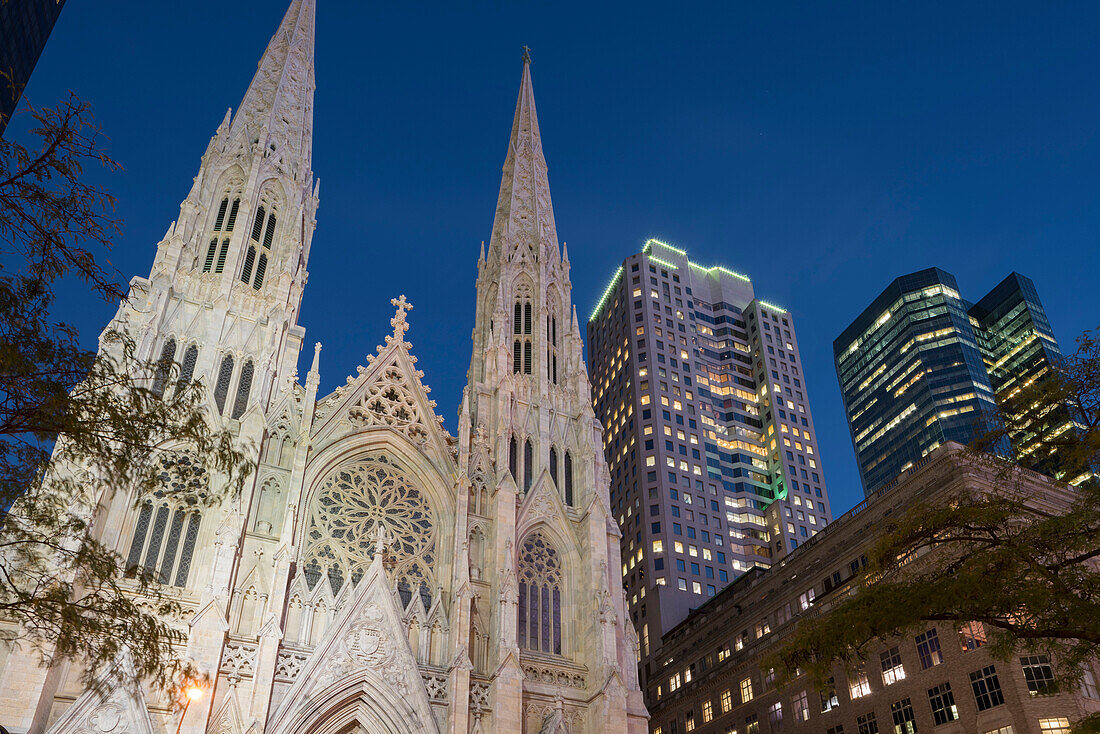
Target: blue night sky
822	149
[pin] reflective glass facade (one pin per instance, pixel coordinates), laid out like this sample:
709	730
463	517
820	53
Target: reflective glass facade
24	27
1019	348
921	366
912	376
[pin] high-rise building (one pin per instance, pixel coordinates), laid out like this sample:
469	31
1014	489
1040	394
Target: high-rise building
922	366
707	430
25	26
377	574
911	375
1019	349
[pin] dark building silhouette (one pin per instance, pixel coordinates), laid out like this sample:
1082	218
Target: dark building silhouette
24	27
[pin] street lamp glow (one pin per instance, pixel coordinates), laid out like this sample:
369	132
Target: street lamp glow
194	693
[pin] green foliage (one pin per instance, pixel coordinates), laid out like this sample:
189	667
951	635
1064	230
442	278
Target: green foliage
1028	572
77	426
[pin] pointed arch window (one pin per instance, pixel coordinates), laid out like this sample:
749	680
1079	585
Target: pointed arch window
540	595
222	253
521	329
164	367
167	527
259	247
211	251
554	465
512	458
221	388
568	479
233	215
528	464
243	388
221	214
215	256
187	370
249	261
552	342
258	223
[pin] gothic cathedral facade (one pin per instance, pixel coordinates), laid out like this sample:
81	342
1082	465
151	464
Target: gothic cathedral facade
378	575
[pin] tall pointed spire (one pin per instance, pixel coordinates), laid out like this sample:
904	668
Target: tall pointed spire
525	215
277	109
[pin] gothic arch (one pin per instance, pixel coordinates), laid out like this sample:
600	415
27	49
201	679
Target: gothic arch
413	490
543	595
230	181
221	220
363	701
166	531
523	320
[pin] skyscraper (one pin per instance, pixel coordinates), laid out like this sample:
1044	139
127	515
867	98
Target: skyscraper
25	26
922	366
708	432
1019	348
377	574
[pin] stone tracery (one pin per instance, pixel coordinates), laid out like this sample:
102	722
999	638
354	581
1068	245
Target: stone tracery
344	517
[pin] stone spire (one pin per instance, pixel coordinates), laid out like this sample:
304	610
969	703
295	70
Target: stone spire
524	222
277	109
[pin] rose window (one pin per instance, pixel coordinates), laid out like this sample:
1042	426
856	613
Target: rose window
347	510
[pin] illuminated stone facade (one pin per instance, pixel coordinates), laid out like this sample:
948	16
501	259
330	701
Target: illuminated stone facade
379	575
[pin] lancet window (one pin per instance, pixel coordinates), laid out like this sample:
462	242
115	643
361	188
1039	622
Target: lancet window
259	247
244	386
528	464
554	465
219	238
221	387
522	322
540	595
344	516
164	367
163	543
187	369
552	349
513	458
568	479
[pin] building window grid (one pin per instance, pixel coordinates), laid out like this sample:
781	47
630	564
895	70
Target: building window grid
928	649
892	669
942	701
867	724
987	688
1038	674
902	714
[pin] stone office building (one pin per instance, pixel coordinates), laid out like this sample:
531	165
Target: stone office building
708	434
937	679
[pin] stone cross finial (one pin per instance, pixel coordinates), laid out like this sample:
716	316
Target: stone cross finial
527	54
400	326
381	537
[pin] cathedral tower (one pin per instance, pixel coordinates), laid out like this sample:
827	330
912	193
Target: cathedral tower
221	301
376	574
530	450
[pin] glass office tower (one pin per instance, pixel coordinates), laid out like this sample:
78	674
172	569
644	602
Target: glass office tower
912	376
24	27
921	366
1020	349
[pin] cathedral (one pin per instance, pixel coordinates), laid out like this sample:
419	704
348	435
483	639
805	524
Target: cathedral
377	575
